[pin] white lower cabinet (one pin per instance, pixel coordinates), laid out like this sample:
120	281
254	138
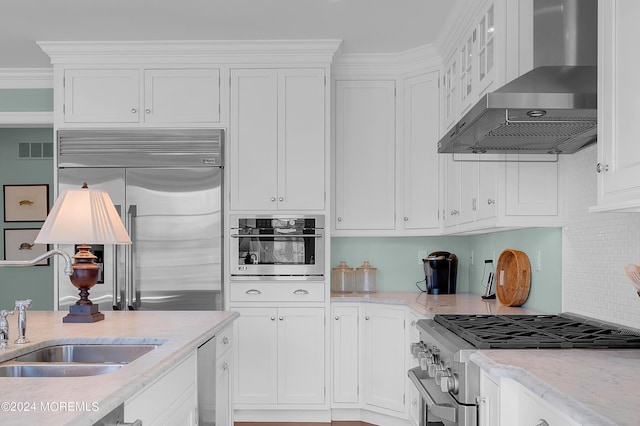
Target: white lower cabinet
506	402
368	354
279	356
170	400
224	378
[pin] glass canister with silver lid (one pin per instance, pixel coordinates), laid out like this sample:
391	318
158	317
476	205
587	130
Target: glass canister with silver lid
366	278
342	278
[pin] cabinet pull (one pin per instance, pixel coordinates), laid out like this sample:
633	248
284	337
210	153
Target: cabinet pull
253	291
543	422
273	318
225	366
225	340
273	198
301	291
339	219
133	110
281	199
281	318
366	318
138	422
337	317
602	167
406	219
490	201
148	111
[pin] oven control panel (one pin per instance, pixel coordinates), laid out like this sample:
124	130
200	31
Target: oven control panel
430	361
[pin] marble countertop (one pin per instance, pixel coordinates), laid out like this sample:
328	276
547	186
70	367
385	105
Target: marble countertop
24	401
429	304
593	387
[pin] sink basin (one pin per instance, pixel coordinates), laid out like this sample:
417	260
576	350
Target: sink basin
103	354
56	370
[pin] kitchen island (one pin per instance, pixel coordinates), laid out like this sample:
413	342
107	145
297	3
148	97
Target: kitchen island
85	400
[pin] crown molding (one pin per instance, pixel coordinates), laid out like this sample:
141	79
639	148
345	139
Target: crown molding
191	51
26	78
387	65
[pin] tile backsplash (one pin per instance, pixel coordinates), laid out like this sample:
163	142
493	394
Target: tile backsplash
595	248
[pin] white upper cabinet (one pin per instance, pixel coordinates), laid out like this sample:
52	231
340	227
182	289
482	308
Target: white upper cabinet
277	139
141	96
618	165
364	155
420	172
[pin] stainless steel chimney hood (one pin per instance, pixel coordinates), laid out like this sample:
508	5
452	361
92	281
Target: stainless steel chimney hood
551	109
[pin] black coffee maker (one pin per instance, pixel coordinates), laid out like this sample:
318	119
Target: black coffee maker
441	271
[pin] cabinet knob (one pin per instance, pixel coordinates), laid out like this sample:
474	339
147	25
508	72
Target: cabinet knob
281	318
225	340
281	199
225	366
367	318
602	167
273	198
337	317
273	318
133	110
490	201
406	219
454	212
339	219
148	111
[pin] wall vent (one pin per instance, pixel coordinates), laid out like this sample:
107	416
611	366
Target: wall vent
35	150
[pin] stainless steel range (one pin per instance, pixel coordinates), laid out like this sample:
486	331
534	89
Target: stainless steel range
449	383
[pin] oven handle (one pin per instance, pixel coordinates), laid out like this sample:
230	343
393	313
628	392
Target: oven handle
445	412
276	235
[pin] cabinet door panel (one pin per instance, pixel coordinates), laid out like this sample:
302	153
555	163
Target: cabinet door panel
384	370
365	153
528	188
301	369
101	96
254	139
301	131
182	96
344	333
420	157
618	103
256	354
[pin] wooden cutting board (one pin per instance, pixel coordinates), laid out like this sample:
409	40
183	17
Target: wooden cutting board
513	277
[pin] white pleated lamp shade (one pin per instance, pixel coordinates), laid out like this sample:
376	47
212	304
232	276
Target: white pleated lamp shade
85	216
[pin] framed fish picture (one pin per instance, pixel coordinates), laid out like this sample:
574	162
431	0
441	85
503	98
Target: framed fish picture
18	245
26	203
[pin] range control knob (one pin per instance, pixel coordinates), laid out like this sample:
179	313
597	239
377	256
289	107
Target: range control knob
449	382
434	369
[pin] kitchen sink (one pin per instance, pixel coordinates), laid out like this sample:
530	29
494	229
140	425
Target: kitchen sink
83	353
56	370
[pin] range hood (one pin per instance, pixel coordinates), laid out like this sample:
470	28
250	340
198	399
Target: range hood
551	109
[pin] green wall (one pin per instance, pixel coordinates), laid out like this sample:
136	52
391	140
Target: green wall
36	282
399	268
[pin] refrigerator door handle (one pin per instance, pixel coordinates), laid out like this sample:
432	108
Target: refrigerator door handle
133	299
117	297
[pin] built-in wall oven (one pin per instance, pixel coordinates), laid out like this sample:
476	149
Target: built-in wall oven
277	247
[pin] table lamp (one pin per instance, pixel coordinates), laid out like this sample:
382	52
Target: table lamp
85	216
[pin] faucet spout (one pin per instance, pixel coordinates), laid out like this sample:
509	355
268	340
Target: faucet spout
68	269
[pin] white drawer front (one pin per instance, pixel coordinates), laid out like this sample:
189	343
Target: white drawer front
276	291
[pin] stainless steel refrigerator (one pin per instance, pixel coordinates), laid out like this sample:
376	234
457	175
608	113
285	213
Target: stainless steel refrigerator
168	186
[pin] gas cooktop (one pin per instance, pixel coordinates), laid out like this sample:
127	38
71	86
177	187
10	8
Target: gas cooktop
538	332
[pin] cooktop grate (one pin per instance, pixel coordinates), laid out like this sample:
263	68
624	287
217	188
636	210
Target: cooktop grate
536	332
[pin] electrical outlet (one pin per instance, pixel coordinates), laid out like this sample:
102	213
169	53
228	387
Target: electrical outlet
538	261
421	255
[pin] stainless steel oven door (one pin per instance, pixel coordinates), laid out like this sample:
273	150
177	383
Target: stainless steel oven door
276	247
440	408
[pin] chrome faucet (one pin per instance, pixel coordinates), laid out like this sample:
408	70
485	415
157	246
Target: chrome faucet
21	306
68	269
4	328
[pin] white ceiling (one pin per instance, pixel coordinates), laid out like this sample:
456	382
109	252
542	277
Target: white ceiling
365	26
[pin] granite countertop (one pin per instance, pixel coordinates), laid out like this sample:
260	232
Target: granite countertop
593	387
24	401
429	304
